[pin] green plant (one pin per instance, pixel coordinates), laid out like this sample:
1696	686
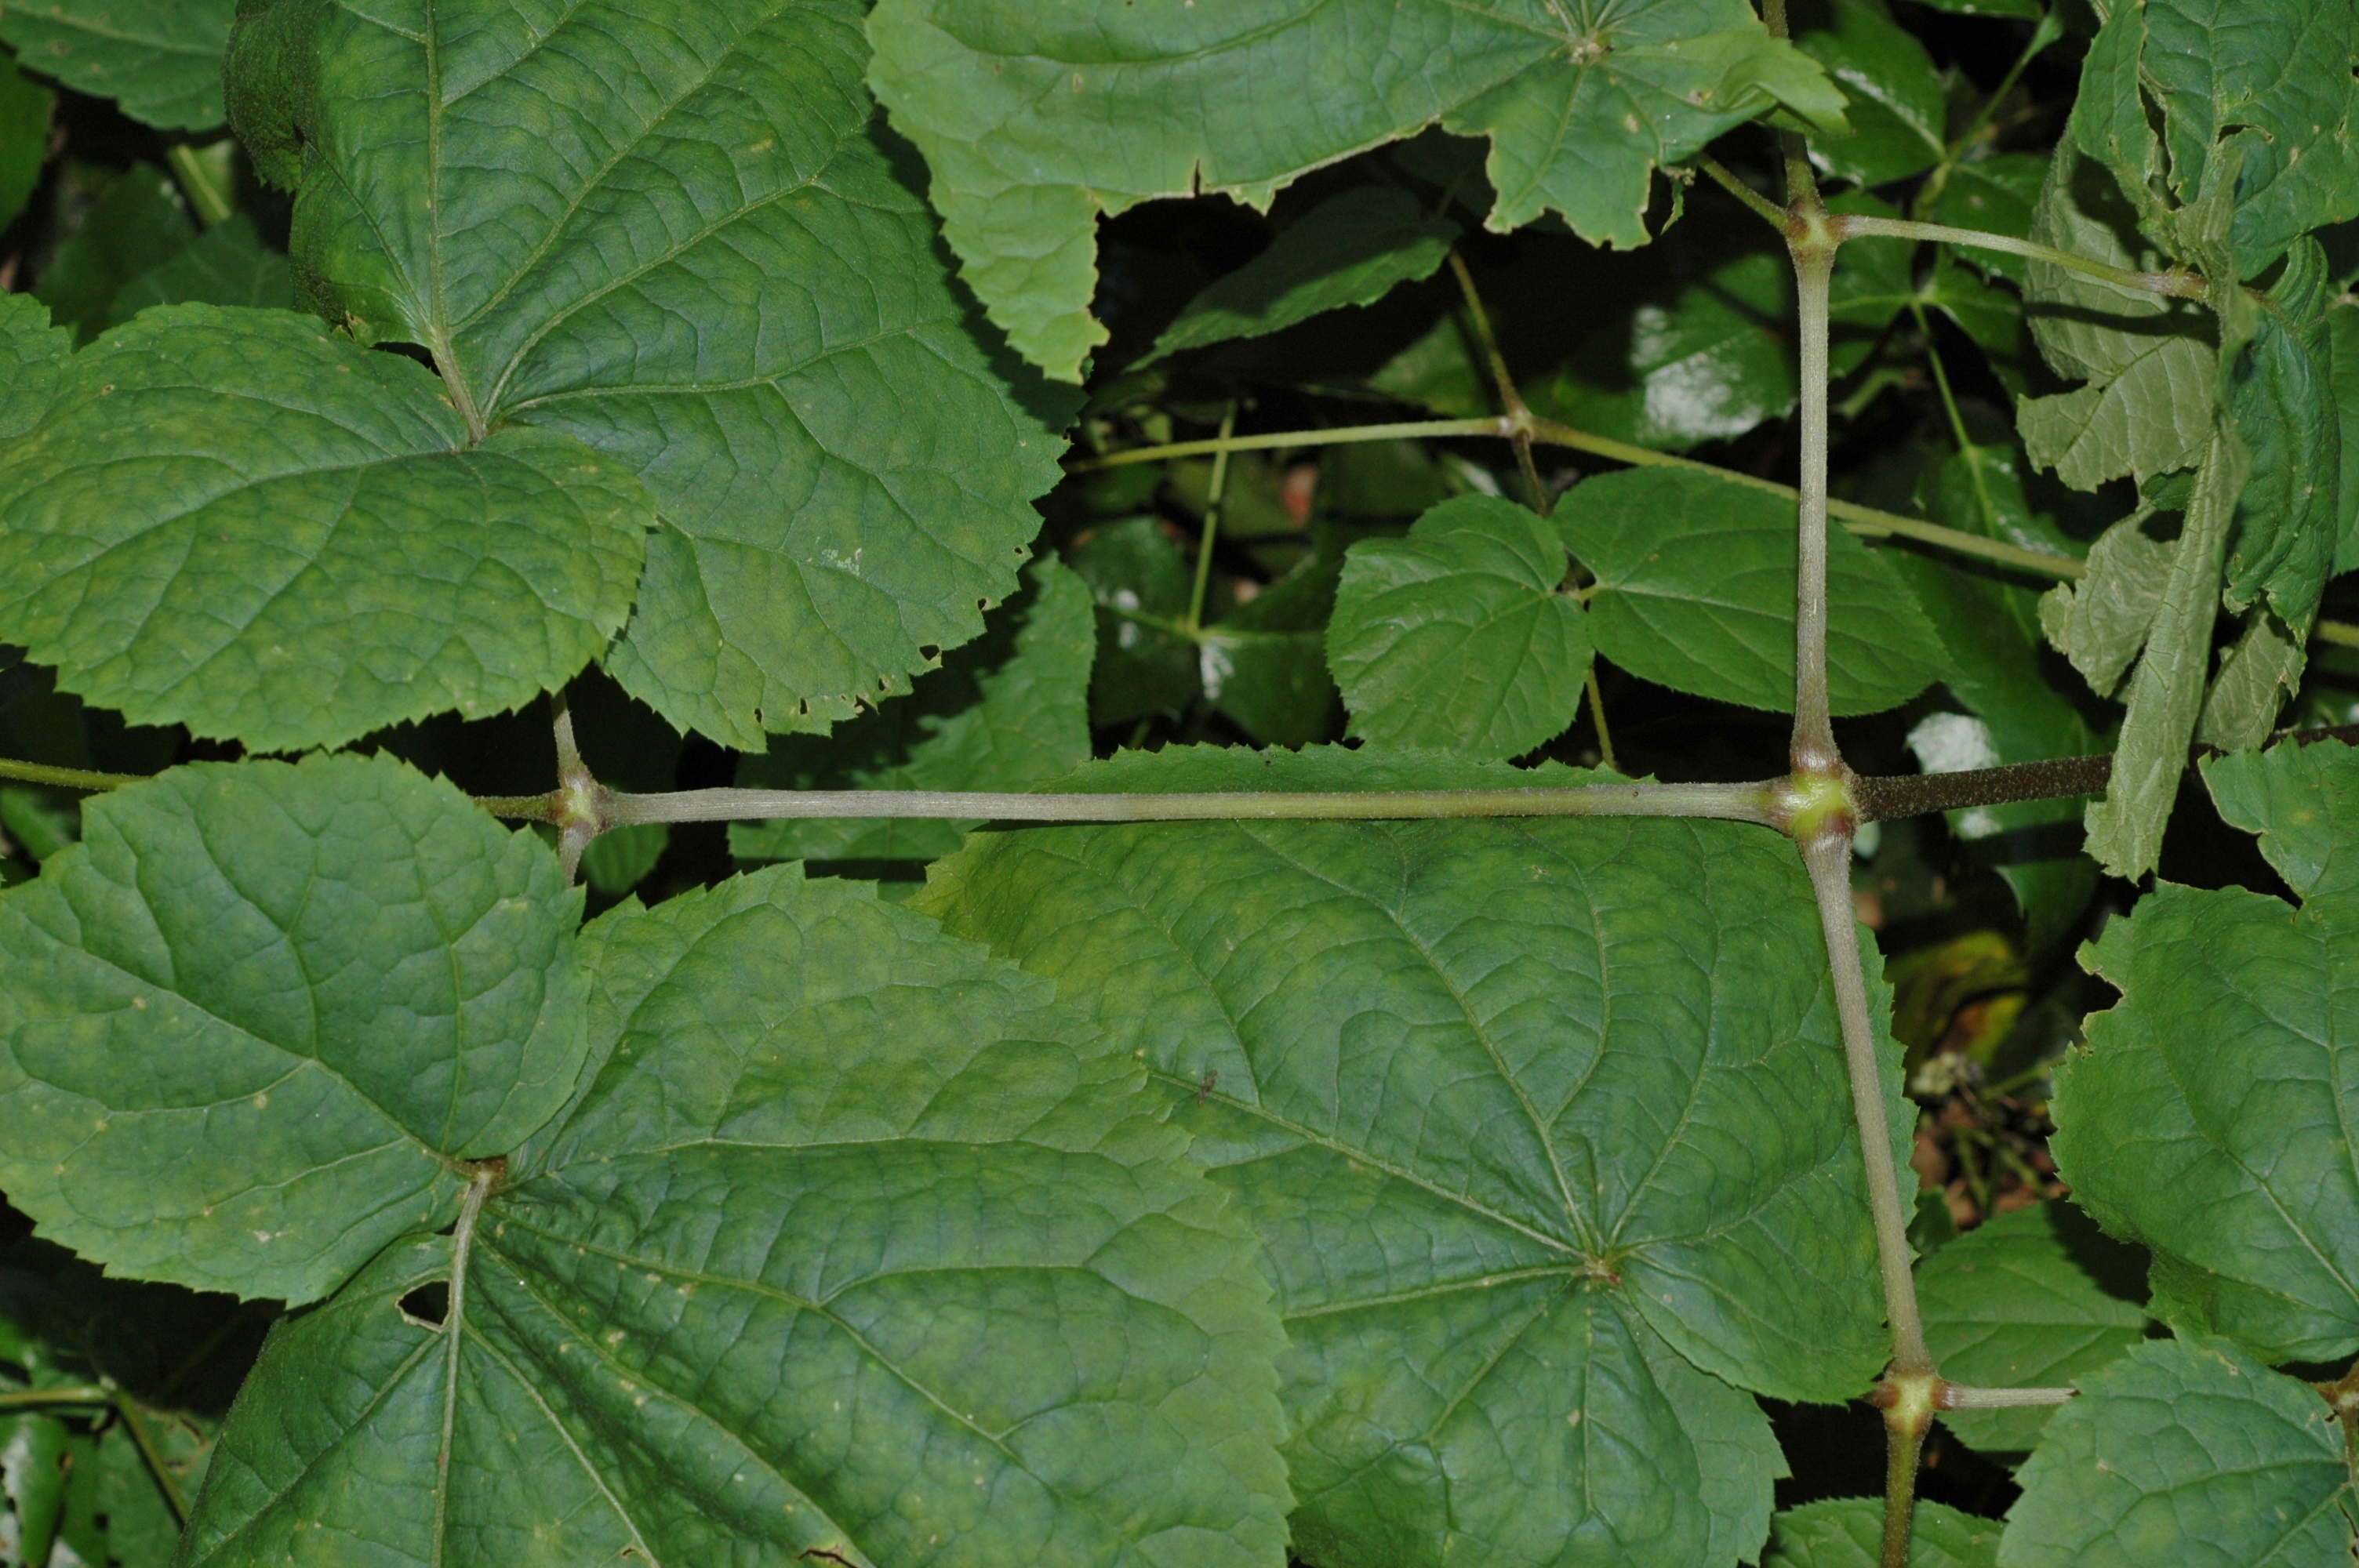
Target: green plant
1197	1045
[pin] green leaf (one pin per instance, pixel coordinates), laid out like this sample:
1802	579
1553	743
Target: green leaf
1352	249
32	358
226	264
1264	664
2149	361
2303	801
2256	676
2281	396
2342	356
1893	96
250	1025
1683	343
135	223
1848	1532
620	859
2166	696
161	60
716	279
1695	591
231	521
872	1261
1460	637
35	1459
2039	1298
2100	622
2202	1116
1986	312
2266	87
1006	712
1037	117
2185	1452
24	137
1513	1302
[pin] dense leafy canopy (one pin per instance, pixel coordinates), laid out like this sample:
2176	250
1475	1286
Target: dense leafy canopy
1345	1180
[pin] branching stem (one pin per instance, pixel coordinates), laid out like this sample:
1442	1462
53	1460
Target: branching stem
1865	522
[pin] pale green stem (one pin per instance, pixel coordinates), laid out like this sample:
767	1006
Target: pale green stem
1966	450
1597	717
145	1441
1413	430
1755	803
1767	209
1959	1397
63	778
1211	532
1814	751
2177	284
35	1399
207	198
2049	29
1511	401
1865	522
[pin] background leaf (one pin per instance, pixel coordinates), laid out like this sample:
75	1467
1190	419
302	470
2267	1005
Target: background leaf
135	223
230	521
1460	637
1893	95
1501	1287
254	1020
24	137
1350	249
161	60
1695	589
1035	118
227	264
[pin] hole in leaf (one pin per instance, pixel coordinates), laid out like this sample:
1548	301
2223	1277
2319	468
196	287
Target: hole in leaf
428	1304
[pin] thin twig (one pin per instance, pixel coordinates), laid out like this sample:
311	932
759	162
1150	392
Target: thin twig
75	1394
65	778
1211	532
1511	400
1597	719
1769	210
145	1441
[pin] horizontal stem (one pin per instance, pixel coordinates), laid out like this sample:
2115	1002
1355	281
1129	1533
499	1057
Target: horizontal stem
1345	436
2176	284
1863	521
34	1399
63	778
1959	1397
1727	802
1895	796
